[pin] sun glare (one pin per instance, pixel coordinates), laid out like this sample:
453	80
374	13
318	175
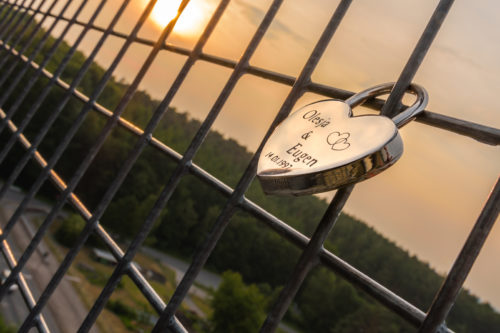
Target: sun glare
189	22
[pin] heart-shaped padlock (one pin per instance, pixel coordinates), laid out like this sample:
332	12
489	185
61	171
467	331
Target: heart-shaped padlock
322	146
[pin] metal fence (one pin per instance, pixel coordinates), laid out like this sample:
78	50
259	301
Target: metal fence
18	15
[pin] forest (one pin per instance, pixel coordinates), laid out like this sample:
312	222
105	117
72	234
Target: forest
326	303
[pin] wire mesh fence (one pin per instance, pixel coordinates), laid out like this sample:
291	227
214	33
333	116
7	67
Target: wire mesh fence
27	25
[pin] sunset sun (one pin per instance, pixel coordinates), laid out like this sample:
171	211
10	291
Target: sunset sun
166	10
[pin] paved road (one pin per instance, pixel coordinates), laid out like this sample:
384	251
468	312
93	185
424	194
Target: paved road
64	311
179	266
205	278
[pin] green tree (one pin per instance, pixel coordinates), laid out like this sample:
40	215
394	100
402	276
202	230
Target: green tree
70	228
68	231
371	318
238	308
325	300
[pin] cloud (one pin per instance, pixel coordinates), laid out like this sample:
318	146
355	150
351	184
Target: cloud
255	15
454	53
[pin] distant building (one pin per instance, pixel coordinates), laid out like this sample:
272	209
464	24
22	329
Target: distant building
104	257
154	275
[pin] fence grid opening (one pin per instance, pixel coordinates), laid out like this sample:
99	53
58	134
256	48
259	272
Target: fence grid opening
33	70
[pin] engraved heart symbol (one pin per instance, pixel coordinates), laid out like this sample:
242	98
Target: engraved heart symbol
322	146
338	140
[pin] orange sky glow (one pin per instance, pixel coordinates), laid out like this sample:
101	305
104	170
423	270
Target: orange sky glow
428	202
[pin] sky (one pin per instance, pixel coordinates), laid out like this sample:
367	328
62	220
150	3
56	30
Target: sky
429	200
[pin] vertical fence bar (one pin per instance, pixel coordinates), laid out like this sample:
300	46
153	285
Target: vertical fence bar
107	129
23	287
7	8
30	38
133	272
181	168
46	126
167	317
124	263
307	261
310	255
78	121
222	221
35	76
9	26
10	14
393	104
15	16
34	242
47	169
26	67
461	267
57	73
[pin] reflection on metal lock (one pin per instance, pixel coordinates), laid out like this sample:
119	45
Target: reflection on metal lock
322	146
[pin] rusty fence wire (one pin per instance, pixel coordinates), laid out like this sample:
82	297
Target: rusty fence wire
17	25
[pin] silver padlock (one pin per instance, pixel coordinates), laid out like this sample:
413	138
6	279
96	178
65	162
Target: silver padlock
322	146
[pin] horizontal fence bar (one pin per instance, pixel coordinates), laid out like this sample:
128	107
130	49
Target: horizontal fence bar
117	252
212	180
133	155
481	133
385	296
308	258
373	288
403	308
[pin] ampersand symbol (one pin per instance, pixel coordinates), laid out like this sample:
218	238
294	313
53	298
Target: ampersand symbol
306	136
338	140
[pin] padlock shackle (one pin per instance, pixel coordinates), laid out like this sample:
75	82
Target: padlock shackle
403	117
